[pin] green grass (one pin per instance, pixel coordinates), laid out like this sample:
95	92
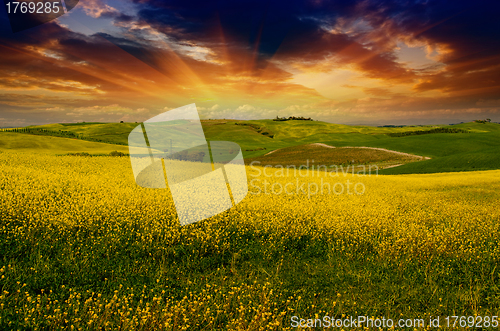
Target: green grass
21	142
483	159
110	132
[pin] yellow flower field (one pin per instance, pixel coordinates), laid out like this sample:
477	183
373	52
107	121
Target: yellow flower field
83	247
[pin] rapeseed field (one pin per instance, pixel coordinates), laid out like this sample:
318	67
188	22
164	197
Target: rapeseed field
82	247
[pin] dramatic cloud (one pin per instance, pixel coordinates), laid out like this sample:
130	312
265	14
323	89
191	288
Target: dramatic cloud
341	61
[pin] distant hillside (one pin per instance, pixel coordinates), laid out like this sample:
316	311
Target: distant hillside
448	150
54	145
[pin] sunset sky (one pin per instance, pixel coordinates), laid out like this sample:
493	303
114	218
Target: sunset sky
351	62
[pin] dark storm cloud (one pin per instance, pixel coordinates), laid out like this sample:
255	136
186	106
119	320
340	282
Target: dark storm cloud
299	30
469	32
249	23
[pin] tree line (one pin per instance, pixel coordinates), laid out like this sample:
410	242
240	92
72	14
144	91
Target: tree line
436	130
59	133
292	118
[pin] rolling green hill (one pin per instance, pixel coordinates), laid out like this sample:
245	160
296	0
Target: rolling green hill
253	136
479	149
113	133
54	145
